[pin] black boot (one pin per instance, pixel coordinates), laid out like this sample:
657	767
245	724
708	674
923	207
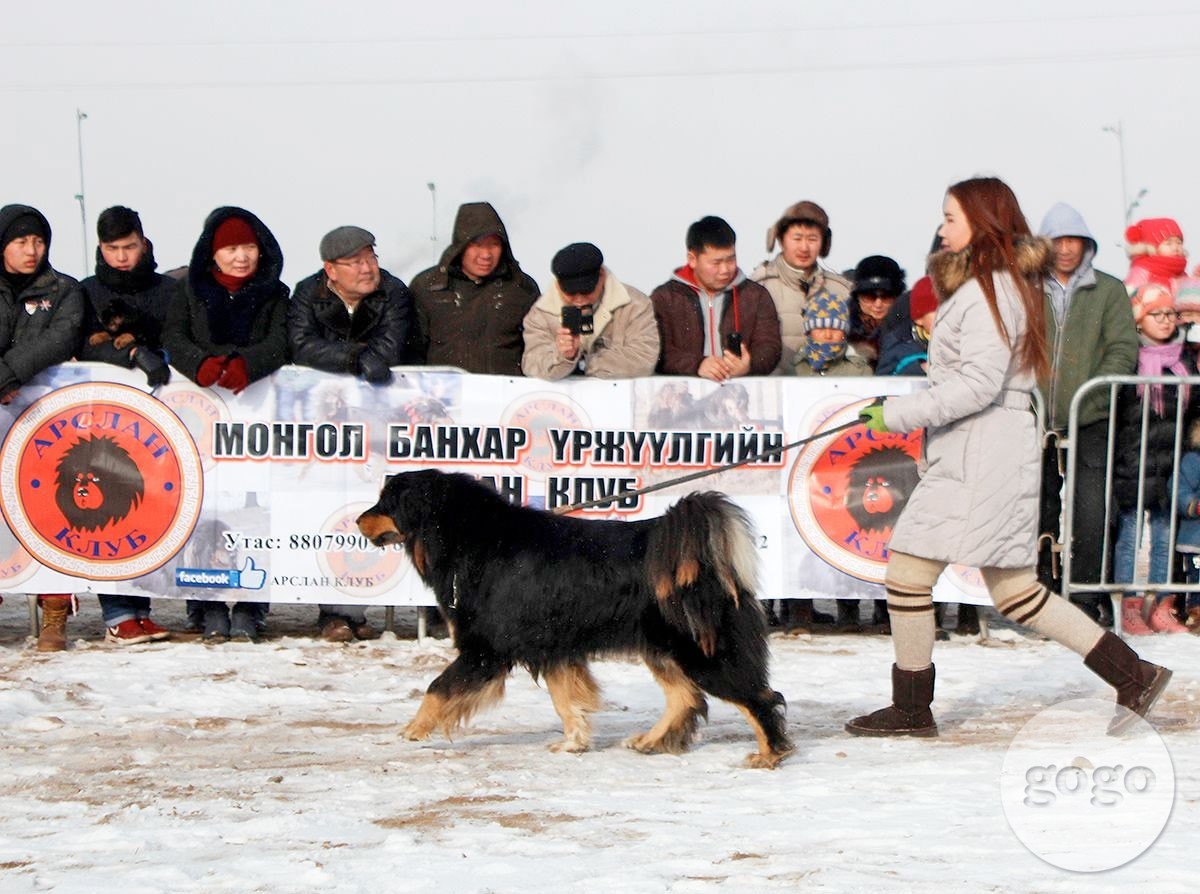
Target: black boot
1138	683
968	620
847	616
908	715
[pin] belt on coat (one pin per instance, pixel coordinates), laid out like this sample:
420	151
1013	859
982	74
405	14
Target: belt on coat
1011	399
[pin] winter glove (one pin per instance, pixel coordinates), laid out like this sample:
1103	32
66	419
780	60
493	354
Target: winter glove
352	358
151	363
210	370
872	417
236	377
374	368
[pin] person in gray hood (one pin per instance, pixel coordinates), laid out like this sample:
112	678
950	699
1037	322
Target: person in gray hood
1090	332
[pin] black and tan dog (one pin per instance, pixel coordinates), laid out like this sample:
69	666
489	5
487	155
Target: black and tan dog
521	586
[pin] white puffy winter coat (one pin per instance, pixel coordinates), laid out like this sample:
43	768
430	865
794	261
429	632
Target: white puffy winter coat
977	501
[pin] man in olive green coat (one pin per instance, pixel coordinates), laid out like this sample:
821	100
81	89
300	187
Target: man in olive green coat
1091	332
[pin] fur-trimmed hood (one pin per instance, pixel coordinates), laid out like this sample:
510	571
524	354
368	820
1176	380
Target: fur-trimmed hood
950	270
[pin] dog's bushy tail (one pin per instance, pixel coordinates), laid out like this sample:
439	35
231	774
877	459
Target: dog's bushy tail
701	558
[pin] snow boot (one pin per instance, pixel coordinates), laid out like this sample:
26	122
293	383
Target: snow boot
908	714
1163	620
1132	621
1138	683
53	635
847	616
968	620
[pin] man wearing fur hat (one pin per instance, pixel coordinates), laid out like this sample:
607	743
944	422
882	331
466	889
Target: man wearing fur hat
589	323
41	318
1090	332
804	237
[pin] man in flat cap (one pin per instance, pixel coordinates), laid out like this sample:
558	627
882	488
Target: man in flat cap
351	316
589	323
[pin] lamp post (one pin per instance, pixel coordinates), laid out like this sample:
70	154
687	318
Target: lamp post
433	201
80	117
1126	206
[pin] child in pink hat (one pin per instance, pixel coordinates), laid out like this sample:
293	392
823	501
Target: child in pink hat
1155	247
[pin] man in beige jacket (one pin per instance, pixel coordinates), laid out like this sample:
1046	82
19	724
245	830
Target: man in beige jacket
589	323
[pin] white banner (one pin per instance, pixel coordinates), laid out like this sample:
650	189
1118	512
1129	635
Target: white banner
192	492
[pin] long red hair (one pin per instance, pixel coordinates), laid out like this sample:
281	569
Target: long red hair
997	223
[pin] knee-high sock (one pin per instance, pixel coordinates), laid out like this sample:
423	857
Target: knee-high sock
909	583
1018	595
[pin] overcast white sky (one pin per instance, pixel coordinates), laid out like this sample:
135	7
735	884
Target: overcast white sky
617	122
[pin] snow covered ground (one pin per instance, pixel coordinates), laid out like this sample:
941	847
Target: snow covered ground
277	767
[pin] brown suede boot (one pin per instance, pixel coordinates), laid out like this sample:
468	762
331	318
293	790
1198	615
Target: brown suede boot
908	715
53	636
1138	683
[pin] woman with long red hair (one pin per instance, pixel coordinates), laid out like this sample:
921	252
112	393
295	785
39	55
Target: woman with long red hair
977	502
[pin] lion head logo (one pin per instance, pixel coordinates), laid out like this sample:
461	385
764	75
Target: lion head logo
880	484
97	483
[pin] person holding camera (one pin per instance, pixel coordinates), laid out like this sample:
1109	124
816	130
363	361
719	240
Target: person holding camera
712	321
589	323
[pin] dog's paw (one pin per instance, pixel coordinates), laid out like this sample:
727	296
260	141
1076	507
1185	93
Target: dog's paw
415	732
644	744
759	761
569	746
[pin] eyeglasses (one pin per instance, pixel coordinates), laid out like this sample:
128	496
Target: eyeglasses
1163	316
366	262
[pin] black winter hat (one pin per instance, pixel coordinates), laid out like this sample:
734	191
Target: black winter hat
878	273
25	225
577	268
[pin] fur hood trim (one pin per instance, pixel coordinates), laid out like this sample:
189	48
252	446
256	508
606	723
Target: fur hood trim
950	270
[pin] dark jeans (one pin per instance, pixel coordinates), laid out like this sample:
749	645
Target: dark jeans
1087	547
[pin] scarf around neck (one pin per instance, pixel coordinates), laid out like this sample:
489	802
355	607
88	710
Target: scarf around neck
1161	360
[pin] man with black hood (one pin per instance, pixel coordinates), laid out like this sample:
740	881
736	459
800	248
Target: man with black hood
122	325
1091	332
471	306
41	315
126	299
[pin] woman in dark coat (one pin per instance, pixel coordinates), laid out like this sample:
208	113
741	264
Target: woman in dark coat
228	323
226	328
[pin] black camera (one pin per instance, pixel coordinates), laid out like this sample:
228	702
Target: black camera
733	343
577	319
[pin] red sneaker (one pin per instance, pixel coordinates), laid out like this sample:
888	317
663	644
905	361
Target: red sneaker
156	631
127	633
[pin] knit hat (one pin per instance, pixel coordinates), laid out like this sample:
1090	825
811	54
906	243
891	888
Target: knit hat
1145	236
1187	294
826	310
577	268
804	212
878	274
922	299
233	231
1150	297
25	225
344	241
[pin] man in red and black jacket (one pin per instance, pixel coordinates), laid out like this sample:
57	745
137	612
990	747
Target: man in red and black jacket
713	322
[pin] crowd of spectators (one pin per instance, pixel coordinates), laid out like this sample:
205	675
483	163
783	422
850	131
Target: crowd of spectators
228	320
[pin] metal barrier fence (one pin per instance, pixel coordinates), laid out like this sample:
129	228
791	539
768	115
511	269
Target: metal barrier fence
1182	386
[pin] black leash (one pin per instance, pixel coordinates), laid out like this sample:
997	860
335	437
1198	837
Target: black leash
693	476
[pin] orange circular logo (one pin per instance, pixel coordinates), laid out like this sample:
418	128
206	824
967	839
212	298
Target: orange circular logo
100	481
359	569
847	491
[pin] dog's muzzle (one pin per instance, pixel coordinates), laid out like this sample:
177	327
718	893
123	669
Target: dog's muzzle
379	529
